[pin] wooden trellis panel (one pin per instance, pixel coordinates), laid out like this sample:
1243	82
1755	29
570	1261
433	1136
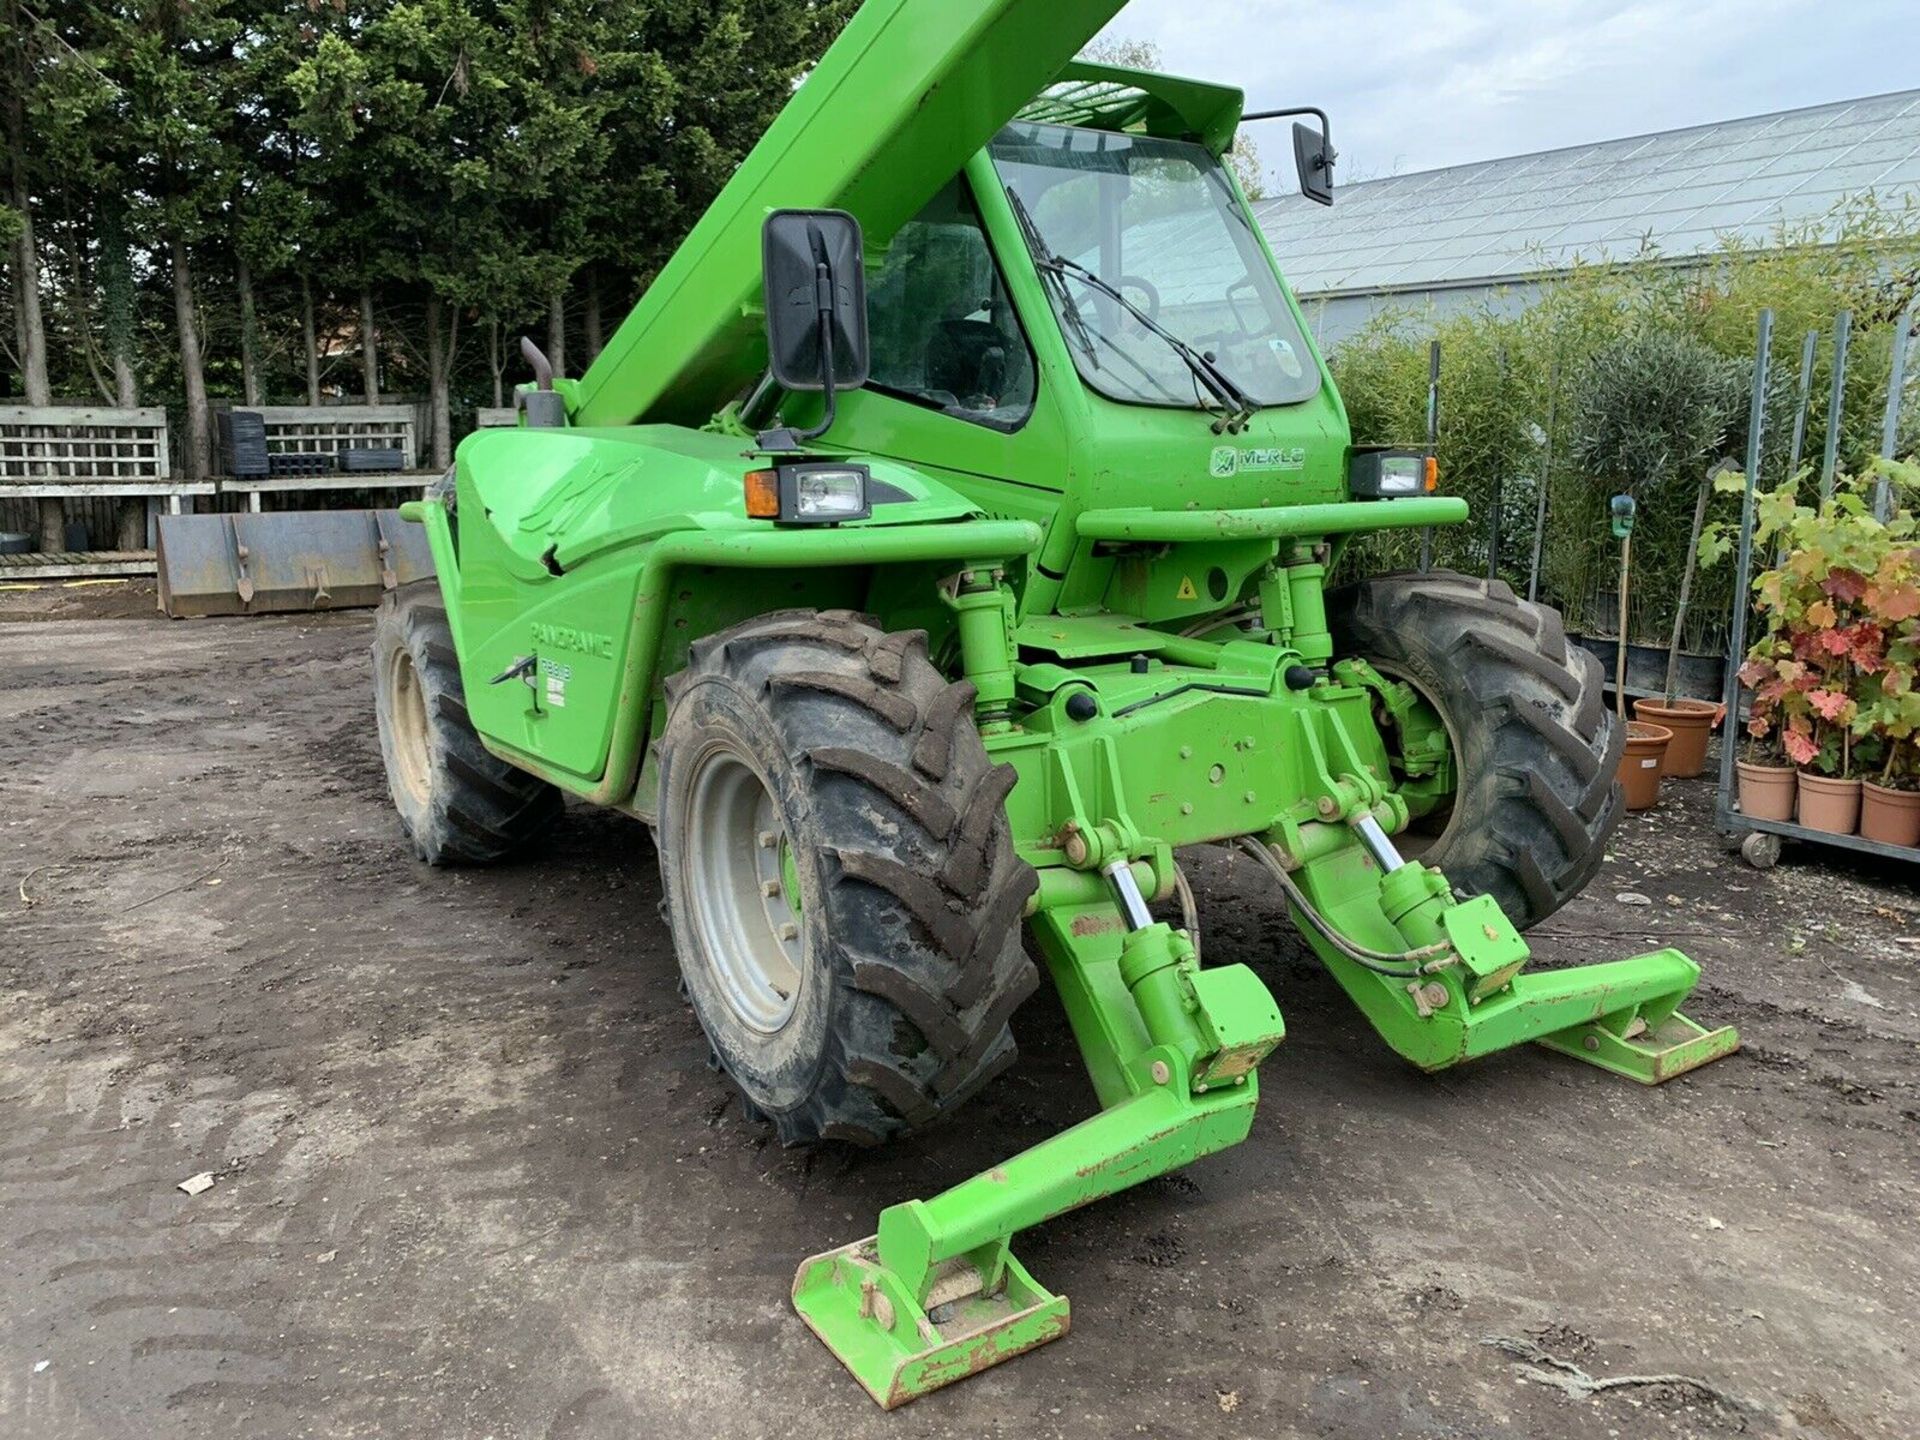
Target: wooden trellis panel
57	445
330	429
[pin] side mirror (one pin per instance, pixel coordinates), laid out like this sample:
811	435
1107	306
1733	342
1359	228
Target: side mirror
1313	152
1313	157
816	299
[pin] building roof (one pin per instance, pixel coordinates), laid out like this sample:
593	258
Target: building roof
1530	214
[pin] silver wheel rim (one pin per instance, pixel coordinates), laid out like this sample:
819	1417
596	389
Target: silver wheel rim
742	889
412	752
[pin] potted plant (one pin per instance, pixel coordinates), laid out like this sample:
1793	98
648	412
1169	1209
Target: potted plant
1802	707
1642	763
1829	790
1890	796
1889	709
1839	612
1768	785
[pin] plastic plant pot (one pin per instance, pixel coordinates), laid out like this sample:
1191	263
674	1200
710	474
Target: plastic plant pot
1641	762
1890	816
1767	792
1828	804
1691	721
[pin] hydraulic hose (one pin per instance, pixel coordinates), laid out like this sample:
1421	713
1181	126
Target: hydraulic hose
1189	910
1406	964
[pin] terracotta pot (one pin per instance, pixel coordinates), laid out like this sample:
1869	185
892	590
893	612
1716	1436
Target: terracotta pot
1889	816
1690	721
1767	792
1641	761
1829	805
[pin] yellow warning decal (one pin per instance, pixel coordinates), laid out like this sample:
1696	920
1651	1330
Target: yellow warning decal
1186	590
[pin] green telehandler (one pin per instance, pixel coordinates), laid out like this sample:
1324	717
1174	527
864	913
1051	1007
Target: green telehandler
939	546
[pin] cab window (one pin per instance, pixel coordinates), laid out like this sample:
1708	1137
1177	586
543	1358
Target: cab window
944	334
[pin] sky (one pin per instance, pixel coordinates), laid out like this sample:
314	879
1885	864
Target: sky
1415	86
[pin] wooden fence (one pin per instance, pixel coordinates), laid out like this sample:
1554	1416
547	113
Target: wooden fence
97	461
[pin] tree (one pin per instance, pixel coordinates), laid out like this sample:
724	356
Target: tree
213	199
81	133
349	112
168	61
24	44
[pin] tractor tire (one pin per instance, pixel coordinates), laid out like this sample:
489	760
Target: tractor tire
1535	747
458	803
840	880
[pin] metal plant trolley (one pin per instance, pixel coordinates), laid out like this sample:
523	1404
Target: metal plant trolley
1759	840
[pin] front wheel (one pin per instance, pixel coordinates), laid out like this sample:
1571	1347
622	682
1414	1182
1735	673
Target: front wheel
843	890
1535	749
458	803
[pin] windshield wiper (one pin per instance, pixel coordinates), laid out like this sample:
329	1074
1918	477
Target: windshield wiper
1069	308
1239	405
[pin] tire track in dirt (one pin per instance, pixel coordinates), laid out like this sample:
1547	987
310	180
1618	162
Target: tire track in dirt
99	1251
475	1177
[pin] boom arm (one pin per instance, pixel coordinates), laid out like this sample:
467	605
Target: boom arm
909	91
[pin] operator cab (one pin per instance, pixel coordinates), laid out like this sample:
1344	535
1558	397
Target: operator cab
1149	265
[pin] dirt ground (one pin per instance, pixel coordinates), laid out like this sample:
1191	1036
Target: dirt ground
475	1179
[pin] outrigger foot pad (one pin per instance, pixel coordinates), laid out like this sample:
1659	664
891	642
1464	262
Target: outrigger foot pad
1648	1053
980	1309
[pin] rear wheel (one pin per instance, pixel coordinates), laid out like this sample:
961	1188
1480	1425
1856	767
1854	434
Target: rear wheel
1535	748
458	803
840	880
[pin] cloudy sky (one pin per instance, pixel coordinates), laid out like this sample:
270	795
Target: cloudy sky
1415	84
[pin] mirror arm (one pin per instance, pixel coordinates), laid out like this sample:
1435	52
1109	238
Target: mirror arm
786	438
1326	126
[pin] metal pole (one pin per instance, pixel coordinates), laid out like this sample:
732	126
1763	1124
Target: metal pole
1620	655
1836	401
1743	566
1805	394
1546	475
1497	501
1433	441
1890	426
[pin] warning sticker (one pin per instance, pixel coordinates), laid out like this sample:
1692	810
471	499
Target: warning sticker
1186	590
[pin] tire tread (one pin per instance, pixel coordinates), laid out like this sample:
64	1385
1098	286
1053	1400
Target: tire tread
926	924
481	809
1537	795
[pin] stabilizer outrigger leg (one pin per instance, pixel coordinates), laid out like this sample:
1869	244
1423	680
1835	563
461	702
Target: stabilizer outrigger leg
937	1295
1442	979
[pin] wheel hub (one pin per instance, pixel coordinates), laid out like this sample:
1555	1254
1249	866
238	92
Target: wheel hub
744	891
411	747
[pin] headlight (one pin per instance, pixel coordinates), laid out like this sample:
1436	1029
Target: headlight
1391	474
808	494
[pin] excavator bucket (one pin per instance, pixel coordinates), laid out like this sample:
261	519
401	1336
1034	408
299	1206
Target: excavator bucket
288	560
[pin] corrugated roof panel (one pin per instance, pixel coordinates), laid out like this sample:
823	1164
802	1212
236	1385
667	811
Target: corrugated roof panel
1680	190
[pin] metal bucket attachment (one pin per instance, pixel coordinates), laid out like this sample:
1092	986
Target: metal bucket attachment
900	1348
288	560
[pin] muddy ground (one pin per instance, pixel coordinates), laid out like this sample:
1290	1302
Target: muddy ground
475	1179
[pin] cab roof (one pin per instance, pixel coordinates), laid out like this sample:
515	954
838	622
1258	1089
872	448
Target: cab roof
1145	102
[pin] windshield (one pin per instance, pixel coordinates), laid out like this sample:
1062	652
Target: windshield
1156	221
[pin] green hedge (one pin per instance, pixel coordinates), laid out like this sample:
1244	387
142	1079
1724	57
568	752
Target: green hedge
1619	356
